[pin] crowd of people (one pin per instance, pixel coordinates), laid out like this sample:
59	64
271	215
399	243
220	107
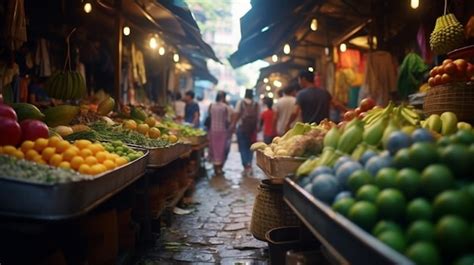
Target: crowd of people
310	104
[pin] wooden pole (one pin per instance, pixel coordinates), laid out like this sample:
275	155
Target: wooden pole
118	51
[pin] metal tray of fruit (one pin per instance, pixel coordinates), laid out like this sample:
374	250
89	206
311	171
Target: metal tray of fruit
160	157
352	244
278	167
20	198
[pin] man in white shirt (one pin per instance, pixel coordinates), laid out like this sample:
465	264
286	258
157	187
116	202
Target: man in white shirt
283	110
179	107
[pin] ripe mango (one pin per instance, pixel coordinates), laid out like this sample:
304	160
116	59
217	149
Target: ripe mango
449	123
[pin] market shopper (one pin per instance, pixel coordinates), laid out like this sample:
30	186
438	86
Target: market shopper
266	121
191	110
218	134
283	110
246	118
179	106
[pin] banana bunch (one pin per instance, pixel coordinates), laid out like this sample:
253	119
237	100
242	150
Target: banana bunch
66	85
402	114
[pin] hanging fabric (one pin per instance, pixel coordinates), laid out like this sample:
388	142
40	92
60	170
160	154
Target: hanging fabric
410	74
423	44
42	58
344	80
380	77
138	62
15	26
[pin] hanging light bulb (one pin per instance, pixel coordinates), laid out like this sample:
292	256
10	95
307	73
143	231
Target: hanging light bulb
415	4
270	94
277	83
314	24
87	7
161	51
287	49
275	58
326	51
176	57
126	31
153	43
268	88
265	80
311	69
343	47
262	96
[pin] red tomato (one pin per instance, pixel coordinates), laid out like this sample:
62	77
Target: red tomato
361	115
7	112
358	110
461	64
437	80
431	81
446	61
449	68
445	78
10	132
367	104
470	70
349	115
33	129
341	124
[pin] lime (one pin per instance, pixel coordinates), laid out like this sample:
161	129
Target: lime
419	209
393	239
443	141
343	205
386	178
358	179
465	260
420	230
465	137
363	214
470	190
423	253
458	159
402	158
453	202
367	192
391	204
408	181
451	232
435	179
423	154
385	225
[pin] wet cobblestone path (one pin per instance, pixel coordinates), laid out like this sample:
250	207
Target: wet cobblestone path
217	229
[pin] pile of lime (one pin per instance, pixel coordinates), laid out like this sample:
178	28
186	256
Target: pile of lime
121	149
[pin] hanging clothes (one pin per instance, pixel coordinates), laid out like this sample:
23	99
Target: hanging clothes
410	74
8	72
15	26
349	59
329	76
344	80
138	63
42	58
423	44
380	77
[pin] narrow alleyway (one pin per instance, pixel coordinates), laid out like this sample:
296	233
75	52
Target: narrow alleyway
217	229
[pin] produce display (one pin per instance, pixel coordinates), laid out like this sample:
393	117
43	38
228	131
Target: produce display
119	148
411	187
66	85
451	71
447	35
181	129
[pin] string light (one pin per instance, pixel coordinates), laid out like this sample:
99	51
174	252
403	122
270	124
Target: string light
415	4
153	43
287	49
270	94
161	51
126	31
268	88
262	96
343	47
265	80
326	51
314	24
87	8
311	69
275	58
176	57
277	83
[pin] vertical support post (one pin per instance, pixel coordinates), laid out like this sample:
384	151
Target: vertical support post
118	51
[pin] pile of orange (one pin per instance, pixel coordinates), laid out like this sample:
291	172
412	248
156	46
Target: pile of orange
82	155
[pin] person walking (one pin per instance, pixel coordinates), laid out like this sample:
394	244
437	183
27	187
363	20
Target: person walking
283	110
218	134
191	110
267	121
179	106
246	119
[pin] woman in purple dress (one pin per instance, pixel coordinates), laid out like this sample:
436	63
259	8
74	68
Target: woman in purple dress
218	134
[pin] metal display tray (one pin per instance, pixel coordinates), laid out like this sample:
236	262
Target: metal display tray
278	167
65	200
160	157
352	244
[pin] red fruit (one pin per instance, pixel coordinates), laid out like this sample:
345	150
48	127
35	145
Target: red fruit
10	132
470	70
7	112
449	68
367	104
33	129
358	110
431	81
349	115
341	124
437	80
446	61
461	65
445	78
432	72
361	115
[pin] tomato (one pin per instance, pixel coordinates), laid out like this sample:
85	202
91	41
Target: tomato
461	64
33	129
10	132
446	61
367	104
349	115
358	110
7	112
470	70
437	80
431	81
449	68
361	115
445	78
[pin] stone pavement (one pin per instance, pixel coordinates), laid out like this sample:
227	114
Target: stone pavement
217	231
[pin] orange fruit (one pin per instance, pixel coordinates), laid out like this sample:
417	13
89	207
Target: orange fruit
82	143
9	150
48	152
31	154
62	146
143	128
173	138
120	161
76	162
55	160
91	160
70	153
95	148
84	169
101	156
109	164
27	145
39	160
53	141
130	124
65	165
154	133
97	169
85	152
19	154
41	144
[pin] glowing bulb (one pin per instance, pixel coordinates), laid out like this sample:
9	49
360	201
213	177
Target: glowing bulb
126	31
262	96
265	80
268	88
270	94
275	58
314	24
87	8
287	49
311	69
415	4
326	51
343	47
277	83
161	51
153	43
176	57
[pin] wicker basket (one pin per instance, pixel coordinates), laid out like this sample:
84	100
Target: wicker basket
456	97
269	210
